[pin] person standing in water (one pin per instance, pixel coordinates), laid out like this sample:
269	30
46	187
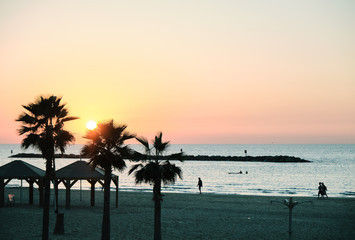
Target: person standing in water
199	184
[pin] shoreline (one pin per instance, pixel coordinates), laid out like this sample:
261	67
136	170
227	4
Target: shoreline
184	216
349	195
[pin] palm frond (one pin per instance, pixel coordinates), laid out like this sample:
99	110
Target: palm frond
98	161
67	119
117	162
144	141
30	140
159	145
134	168
62	139
26	119
126	136
24	130
90	150
170	172
149	173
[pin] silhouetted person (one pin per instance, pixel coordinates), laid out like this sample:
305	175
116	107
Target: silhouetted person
199	184
319	189
324	190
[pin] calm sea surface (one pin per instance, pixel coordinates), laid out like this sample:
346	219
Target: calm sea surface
332	164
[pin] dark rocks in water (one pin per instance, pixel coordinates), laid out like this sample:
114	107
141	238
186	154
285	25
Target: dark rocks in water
36	155
280	159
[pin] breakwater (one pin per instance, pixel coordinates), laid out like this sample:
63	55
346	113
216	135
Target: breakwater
280	159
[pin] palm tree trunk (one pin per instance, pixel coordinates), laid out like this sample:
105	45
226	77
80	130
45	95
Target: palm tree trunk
45	226
105	232
157	210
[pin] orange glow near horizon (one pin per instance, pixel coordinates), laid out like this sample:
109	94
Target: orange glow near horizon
238	72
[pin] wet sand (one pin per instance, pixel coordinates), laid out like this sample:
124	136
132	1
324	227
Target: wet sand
184	216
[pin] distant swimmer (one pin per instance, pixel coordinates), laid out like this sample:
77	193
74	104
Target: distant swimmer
199	184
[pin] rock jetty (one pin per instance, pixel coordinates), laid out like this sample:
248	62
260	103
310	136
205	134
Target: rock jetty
280	159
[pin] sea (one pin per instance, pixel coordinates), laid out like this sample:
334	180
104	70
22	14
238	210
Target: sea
333	164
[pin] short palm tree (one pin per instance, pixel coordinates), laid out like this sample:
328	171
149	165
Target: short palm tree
42	125
107	150
156	169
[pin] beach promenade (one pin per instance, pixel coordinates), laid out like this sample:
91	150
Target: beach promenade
184	216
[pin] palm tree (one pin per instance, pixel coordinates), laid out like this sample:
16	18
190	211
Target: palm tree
107	150
42	126
156	169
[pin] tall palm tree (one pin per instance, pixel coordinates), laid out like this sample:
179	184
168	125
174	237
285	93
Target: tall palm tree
42	126
156	169
107	150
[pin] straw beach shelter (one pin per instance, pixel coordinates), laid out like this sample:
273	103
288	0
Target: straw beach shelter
81	170
18	169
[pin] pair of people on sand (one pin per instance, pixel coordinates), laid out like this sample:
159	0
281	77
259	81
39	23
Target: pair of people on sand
322	190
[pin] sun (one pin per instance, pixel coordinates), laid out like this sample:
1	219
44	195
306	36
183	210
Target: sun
91	125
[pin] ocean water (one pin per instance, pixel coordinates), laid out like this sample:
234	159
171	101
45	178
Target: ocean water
332	164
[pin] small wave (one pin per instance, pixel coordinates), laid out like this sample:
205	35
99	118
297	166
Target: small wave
261	190
348	193
267	191
177	188
288	192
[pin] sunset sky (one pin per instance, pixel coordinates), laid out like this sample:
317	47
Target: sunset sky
238	72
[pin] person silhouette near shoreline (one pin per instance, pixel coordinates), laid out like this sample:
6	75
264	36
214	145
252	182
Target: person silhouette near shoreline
322	190
199	184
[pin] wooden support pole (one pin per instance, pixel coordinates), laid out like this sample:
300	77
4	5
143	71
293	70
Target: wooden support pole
116	183
92	182
55	183
2	192
30	194
67	193
40	188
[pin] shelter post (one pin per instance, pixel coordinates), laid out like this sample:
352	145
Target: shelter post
30	200
92	182
67	193
40	188
2	192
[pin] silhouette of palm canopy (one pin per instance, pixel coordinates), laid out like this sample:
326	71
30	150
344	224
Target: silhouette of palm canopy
106	148
154	168
42	125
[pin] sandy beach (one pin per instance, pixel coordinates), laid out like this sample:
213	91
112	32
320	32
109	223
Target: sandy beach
184	216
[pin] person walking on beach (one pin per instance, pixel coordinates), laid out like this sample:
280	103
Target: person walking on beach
324	190
319	189
199	184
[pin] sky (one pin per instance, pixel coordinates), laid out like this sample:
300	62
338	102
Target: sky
202	72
